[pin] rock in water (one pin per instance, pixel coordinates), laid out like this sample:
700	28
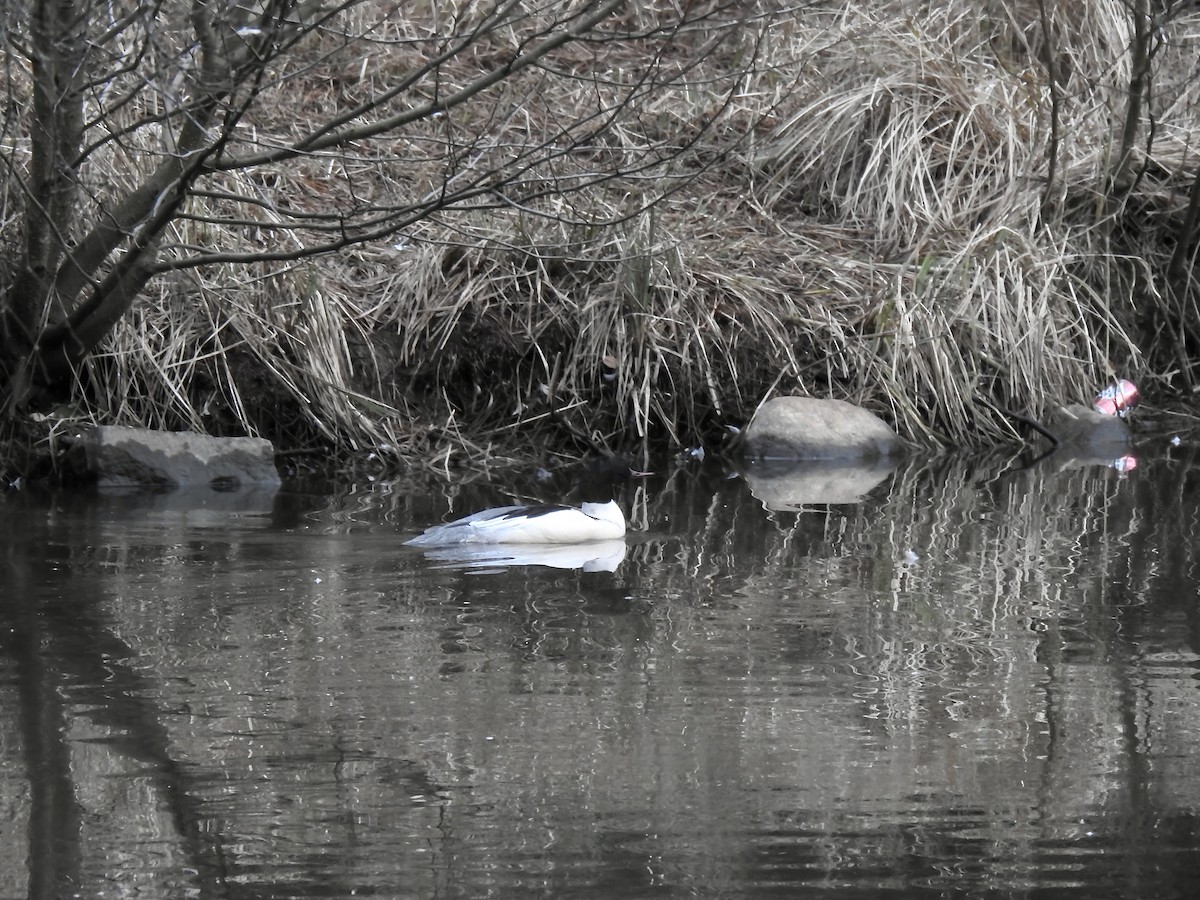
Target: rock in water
808	428
116	456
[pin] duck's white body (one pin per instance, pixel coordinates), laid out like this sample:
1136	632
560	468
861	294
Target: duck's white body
530	525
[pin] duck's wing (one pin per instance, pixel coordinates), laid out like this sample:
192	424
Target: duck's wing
486	515
549	524
497	524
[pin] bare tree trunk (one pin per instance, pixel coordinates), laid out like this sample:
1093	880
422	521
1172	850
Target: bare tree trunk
137	223
58	62
55	329
57	52
1139	87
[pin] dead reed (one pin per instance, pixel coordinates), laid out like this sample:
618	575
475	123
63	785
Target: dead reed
889	203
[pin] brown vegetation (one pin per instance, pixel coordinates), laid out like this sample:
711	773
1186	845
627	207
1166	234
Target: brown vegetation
936	210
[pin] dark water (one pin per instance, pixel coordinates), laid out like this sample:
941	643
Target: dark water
975	682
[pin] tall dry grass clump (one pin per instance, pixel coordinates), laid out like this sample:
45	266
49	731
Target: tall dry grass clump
928	139
930	209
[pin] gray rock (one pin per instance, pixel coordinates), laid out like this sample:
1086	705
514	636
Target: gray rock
115	456
1082	428
807	428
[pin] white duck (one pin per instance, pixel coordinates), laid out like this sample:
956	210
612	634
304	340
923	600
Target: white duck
552	524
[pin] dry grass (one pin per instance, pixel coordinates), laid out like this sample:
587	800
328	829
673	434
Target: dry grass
869	215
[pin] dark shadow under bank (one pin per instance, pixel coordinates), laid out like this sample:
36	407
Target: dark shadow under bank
564	458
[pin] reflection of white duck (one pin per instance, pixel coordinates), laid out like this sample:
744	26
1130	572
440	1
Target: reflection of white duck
594	556
554	524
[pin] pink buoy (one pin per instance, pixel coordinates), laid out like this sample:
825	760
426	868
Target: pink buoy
1117	399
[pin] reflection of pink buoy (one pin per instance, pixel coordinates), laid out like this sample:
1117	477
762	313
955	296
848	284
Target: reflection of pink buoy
1117	399
1125	464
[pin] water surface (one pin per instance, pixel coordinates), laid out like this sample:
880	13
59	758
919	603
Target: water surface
977	681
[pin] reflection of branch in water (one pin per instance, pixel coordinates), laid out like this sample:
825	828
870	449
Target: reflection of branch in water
54	814
62	650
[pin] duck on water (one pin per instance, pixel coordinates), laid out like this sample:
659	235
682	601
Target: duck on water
550	524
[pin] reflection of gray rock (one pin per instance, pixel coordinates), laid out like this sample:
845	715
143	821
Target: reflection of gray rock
116	456
197	504
597	556
807	428
791	485
1082	428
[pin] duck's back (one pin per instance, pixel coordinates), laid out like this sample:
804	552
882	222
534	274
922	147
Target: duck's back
550	524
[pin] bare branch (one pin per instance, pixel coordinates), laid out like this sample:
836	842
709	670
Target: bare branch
340	134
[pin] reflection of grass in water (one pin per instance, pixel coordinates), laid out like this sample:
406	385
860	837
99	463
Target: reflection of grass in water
1002	567
1012	565
994	670
781	681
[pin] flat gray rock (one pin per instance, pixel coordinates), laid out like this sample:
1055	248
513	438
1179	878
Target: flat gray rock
116	456
1082	428
807	428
